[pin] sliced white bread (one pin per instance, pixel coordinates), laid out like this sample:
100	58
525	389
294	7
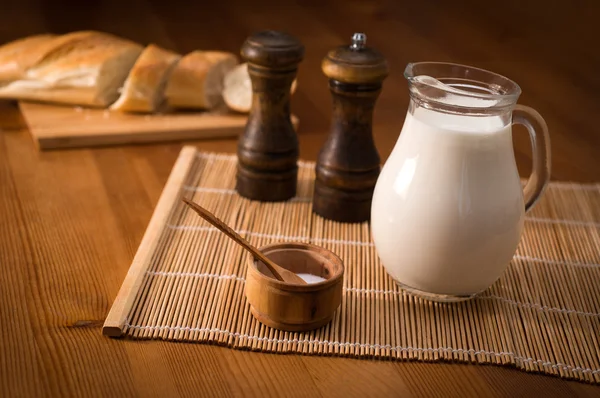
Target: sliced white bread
197	80
237	89
143	90
86	68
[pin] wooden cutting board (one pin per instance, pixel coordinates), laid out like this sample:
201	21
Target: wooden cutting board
54	126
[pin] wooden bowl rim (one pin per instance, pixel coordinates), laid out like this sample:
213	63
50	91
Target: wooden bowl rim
326	253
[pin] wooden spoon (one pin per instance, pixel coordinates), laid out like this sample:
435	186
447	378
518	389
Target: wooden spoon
280	273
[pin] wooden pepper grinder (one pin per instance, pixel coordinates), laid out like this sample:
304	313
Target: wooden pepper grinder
348	163
268	149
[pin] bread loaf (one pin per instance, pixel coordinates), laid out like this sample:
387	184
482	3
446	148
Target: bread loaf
197	80
237	89
81	68
19	55
143	90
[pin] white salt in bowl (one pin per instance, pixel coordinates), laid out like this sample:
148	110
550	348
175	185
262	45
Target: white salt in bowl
294	307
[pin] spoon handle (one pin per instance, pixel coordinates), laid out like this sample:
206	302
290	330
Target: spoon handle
211	218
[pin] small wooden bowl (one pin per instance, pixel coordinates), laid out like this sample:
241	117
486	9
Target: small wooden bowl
293	307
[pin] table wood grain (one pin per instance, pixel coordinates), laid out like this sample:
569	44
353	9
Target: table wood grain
70	221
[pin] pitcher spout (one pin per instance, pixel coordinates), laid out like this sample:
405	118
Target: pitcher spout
453	88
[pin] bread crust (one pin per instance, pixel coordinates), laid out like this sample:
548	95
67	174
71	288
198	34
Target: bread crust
143	90
81	68
18	56
197	80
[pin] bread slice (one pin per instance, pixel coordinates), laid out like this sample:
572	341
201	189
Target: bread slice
85	68
237	89
197	80
144	88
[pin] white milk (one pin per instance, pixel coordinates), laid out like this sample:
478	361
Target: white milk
448	210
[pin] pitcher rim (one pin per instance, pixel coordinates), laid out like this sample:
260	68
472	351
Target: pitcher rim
513	89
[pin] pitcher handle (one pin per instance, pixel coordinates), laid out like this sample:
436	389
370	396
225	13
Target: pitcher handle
540	146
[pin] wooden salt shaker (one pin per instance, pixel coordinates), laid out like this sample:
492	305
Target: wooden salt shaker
348	164
268	149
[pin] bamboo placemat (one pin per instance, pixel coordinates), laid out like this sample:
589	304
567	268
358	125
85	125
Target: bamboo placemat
186	282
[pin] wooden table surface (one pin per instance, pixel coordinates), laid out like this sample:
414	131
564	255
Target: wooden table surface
71	221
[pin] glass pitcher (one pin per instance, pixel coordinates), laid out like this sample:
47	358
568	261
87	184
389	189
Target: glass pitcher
448	207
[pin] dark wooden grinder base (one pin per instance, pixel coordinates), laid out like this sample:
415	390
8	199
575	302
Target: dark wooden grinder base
267	186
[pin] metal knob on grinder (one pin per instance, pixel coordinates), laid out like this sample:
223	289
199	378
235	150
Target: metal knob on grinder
268	149
348	164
